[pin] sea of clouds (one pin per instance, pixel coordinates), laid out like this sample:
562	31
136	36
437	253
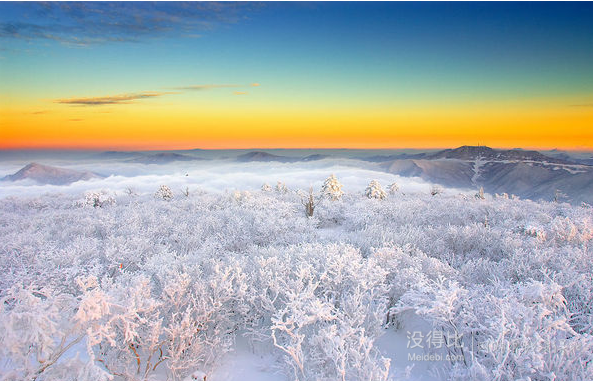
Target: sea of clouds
218	175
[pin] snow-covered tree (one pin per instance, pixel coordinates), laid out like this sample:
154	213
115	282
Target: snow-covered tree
309	201
164	193
332	189
504	196
266	187
374	190
131	192
393	188
281	187
480	194
98	199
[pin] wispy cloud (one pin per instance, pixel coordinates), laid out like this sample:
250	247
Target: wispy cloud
111	99
583	105
75	120
131	97
85	23
40	112
205	87
216	86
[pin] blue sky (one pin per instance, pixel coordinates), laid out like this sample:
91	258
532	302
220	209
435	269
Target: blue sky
308	56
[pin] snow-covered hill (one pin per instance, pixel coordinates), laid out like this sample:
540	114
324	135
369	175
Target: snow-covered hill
527	174
45	174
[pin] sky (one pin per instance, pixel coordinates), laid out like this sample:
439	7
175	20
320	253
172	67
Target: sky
170	75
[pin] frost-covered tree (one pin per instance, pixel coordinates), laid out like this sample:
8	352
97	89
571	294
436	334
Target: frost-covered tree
266	187
281	187
164	193
374	190
309	201
393	188
131	192
98	199
332	189
480	194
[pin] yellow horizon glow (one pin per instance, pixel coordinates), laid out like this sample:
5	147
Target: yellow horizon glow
158	126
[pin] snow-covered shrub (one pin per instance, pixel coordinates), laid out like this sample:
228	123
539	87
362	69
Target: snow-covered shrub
281	187
520	289
309	201
560	196
504	196
131	192
332	189
164	193
374	190
516	331
266	187
393	188
98	199
480	194
326	305
37	327
436	190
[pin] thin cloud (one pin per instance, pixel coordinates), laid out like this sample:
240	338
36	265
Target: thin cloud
39	112
215	86
583	105
205	87
85	23
110	100
75	120
240	92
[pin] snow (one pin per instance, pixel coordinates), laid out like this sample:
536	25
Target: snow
395	346
243	365
479	163
243	286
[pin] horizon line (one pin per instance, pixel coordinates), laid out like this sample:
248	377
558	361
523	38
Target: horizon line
123	149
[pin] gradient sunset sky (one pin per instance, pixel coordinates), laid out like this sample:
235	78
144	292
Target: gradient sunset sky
296	75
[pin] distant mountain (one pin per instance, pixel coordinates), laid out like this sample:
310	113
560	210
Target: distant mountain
579	159
45	174
265	157
528	174
315	157
489	154
162	158
115	155
401	156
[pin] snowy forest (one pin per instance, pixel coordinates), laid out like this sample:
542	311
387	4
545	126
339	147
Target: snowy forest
295	284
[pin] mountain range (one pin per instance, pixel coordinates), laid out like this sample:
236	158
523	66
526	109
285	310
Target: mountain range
525	173
528	174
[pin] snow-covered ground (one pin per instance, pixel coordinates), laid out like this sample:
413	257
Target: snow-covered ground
242	285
